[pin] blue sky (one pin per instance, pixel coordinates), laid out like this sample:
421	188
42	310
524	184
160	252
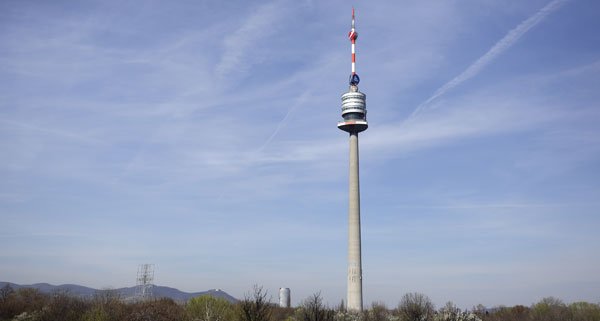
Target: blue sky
201	136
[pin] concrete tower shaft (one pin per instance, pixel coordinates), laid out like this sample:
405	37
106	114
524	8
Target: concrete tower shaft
354	298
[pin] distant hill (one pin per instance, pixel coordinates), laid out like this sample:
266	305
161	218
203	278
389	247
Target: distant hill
125	293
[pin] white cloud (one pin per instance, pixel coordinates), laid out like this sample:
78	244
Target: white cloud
240	47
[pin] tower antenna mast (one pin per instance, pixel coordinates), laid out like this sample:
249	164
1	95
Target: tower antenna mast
144	282
354	79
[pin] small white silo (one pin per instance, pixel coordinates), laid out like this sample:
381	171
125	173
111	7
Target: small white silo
284	297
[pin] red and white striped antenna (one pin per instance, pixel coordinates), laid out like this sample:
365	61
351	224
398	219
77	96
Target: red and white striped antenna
354	79
354	104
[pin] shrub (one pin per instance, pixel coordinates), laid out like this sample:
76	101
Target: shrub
157	310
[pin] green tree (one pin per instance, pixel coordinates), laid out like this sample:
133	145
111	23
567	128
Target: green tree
96	314
106	305
549	309
209	308
282	314
584	311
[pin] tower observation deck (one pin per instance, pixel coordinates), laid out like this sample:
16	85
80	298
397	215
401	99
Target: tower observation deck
354	111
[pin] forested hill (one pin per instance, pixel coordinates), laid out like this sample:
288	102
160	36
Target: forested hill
124	293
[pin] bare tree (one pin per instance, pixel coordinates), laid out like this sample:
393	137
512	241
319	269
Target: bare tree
6	292
63	306
377	312
255	306
313	309
415	307
341	307
450	312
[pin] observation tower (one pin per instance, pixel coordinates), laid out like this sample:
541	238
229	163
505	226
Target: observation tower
354	113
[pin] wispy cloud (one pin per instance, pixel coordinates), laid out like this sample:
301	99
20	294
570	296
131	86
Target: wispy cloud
61	133
501	46
496	206
238	55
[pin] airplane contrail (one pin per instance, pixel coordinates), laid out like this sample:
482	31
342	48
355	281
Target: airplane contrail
505	43
300	100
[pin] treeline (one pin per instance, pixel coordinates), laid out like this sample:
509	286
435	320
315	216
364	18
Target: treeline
28	304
